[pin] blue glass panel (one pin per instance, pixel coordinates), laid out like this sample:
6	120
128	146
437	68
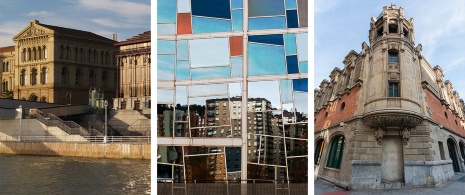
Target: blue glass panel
266	8
213	72
301	103
236	3
292	64
166	29
236	66
210	25
300	84
182	50
267	39
292	19
209	8
184	6
266	60
237	20
290	4
302	46
182	70
165	47
289	40
267	23
286	91
165	67
209	52
166	11
303	67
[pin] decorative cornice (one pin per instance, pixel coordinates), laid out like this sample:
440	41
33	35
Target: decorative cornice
397	120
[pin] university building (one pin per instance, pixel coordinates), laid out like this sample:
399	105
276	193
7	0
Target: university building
388	119
54	64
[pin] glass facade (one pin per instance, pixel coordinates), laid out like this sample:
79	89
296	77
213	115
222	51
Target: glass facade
232	90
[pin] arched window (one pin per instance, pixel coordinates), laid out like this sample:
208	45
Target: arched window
462	148
43	99
319	150
336	151
92	78
29	54
78	77
23	77
104	79
40	56
7	67
24	56
64	75
44	75
45	52
34	76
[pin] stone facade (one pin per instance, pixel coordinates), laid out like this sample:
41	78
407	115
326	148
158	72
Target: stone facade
402	124
58	65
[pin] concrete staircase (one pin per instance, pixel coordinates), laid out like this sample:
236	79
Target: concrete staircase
130	122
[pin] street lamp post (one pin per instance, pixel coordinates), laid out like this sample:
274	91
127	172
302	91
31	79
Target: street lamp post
105	136
20	117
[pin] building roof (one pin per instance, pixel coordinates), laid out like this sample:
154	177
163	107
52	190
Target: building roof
7	49
74	32
140	38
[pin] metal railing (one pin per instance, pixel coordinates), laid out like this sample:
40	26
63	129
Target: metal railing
232	187
75	138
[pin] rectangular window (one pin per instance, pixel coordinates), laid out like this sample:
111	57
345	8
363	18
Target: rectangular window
393	89
393	57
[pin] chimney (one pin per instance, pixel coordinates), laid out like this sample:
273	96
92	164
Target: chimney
115	37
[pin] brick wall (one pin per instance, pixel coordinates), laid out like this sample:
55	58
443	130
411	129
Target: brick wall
335	114
439	112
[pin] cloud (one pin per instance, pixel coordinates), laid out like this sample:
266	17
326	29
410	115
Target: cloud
114	24
324	6
122	7
40	14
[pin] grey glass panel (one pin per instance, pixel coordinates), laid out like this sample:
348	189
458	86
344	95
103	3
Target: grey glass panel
260	172
303	67
301	103
202	101
290	4
302	46
210	25
200	166
204	90
216	54
292	20
165	67
181	103
165	96
289	41
303	12
266	8
267	23
289	107
164	171
236	66
298	169
233	159
286	90
166	11
212	72
165	47
266	60
169	154
182	70
184	6
166	29
237	20
264	92
208	8
182	50
165	120
216	132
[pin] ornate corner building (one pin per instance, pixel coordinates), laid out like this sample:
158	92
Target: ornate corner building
388	119
57	65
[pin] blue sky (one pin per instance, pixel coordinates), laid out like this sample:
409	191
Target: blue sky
127	18
342	25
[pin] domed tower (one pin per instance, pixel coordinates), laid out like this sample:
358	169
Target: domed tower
393	102
393	99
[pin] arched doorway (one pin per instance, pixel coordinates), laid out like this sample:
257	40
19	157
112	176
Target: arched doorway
453	154
33	98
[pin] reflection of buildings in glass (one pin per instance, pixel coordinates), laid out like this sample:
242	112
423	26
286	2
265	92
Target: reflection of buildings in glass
388	111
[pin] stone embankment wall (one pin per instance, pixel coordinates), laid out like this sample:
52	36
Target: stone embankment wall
93	150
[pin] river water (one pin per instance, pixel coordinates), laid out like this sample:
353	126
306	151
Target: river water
21	174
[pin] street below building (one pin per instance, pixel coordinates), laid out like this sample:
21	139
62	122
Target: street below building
453	186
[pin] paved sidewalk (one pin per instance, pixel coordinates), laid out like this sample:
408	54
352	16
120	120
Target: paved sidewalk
454	186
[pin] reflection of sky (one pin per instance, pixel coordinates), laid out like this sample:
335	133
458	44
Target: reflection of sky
212	72
301	102
210	25
165	67
302	46
184	6
166	12
209	52
266	60
165	95
203	90
265	89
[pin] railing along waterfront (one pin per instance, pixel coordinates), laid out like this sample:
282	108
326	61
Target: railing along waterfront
75	138
169	186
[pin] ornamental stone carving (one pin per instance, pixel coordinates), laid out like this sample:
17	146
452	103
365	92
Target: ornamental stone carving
379	135
392	120
405	135
32	32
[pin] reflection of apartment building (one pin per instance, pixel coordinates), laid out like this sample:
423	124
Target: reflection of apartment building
133	61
